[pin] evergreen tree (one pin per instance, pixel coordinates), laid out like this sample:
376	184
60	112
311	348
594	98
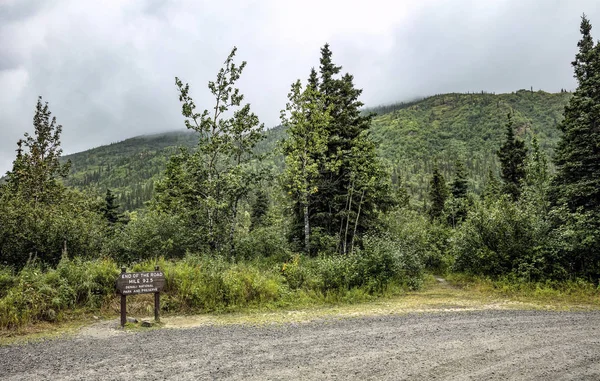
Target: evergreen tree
456	207
438	193
110	209
491	190
352	184
260	208
460	185
577	160
512	155
537	180
575	190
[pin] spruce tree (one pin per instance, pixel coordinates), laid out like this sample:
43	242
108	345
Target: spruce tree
512	155
460	185
110	209
536	181
491	189
260	208
577	159
352	184
438	193
575	190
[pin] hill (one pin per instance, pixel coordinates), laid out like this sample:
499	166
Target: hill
411	137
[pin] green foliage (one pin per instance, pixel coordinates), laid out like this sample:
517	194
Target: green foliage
259	211
438	194
203	283
206	186
512	156
410	136
36	168
304	149
353	186
502	237
577	181
441	128
152	235
575	189
38	295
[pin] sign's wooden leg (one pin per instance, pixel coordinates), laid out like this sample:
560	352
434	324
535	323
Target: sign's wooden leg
157	301
123	304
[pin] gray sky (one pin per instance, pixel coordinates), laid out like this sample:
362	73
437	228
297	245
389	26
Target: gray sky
107	67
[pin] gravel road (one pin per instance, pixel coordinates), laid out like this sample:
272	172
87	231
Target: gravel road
485	345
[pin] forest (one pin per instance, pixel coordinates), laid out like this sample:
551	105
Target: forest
340	203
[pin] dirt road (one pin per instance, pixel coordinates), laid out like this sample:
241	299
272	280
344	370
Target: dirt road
484	345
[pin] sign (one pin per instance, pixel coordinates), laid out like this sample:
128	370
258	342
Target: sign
140	283
151	282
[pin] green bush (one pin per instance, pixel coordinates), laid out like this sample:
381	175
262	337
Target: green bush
499	239
151	235
262	242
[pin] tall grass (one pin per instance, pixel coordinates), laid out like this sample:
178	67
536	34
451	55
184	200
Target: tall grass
198	284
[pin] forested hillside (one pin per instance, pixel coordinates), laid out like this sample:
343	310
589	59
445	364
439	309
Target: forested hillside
410	136
466	127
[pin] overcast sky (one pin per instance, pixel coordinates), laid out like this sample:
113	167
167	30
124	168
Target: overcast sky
107	67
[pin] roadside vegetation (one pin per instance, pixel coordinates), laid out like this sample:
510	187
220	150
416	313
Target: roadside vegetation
331	222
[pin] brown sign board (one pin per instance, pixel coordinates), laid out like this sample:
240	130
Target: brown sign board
140	283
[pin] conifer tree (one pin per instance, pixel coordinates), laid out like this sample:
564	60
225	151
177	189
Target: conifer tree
577	160
460	184
352	184
575	190
260	208
491	190
537	180
512	155
438	193
110	209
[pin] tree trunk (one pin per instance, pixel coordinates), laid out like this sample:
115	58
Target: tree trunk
232	230
356	222
345	243
306	226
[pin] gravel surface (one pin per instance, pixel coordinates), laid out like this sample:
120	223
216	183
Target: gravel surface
486	345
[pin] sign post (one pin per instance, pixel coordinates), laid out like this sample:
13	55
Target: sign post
140	283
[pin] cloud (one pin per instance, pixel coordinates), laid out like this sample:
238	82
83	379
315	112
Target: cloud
107	68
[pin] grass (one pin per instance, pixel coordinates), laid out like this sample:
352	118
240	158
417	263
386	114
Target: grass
457	293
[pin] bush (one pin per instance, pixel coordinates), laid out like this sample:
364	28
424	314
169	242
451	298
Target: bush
151	235
501	238
262	242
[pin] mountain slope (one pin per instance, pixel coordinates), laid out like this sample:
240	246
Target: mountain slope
410	137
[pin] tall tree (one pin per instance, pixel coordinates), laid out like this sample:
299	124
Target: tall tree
537	180
491	189
306	121
575	190
460	184
577	160
208	184
512	155
260	208
352	184
438	194
37	168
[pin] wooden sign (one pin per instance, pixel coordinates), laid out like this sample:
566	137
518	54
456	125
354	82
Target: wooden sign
151	282
140	283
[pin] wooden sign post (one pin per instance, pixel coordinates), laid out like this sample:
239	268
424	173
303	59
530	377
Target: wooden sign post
140	283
